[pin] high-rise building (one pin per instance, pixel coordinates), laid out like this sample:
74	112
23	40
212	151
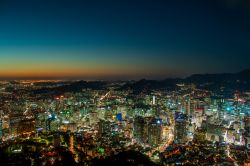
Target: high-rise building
154	100
220	113
146	126
14	120
148	130
155	132
106	128
180	131
138	130
180	127
187	107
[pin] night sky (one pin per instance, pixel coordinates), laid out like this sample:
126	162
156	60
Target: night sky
122	39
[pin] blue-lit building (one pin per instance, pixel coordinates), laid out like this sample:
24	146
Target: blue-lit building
119	117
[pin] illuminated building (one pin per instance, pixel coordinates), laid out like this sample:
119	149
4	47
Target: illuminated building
155	132
190	131
187	107
146	127
52	123
220	113
230	136
154	100
180	131
214	132
26	125
6	122
148	130
180	127
106	128
14	123
138	130
119	117
71	143
128	127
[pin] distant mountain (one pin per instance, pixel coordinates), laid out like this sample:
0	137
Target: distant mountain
245	74
224	77
228	81
204	78
225	82
145	86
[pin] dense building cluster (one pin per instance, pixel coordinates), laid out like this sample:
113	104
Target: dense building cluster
182	126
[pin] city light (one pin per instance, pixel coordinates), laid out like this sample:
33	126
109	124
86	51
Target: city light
124	83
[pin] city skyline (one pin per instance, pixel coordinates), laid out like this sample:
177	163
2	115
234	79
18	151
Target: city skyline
124	82
122	40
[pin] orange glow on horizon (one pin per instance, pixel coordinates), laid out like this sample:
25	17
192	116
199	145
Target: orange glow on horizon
72	73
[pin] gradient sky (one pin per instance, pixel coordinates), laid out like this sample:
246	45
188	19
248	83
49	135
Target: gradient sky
122	39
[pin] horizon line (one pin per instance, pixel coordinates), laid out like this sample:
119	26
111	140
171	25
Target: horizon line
107	78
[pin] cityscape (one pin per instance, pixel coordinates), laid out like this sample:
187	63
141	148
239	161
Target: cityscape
128	82
101	123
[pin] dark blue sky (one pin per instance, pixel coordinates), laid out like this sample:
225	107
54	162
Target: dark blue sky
130	38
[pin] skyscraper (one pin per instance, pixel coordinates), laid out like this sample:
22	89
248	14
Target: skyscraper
138	128
155	132
154	100
180	127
